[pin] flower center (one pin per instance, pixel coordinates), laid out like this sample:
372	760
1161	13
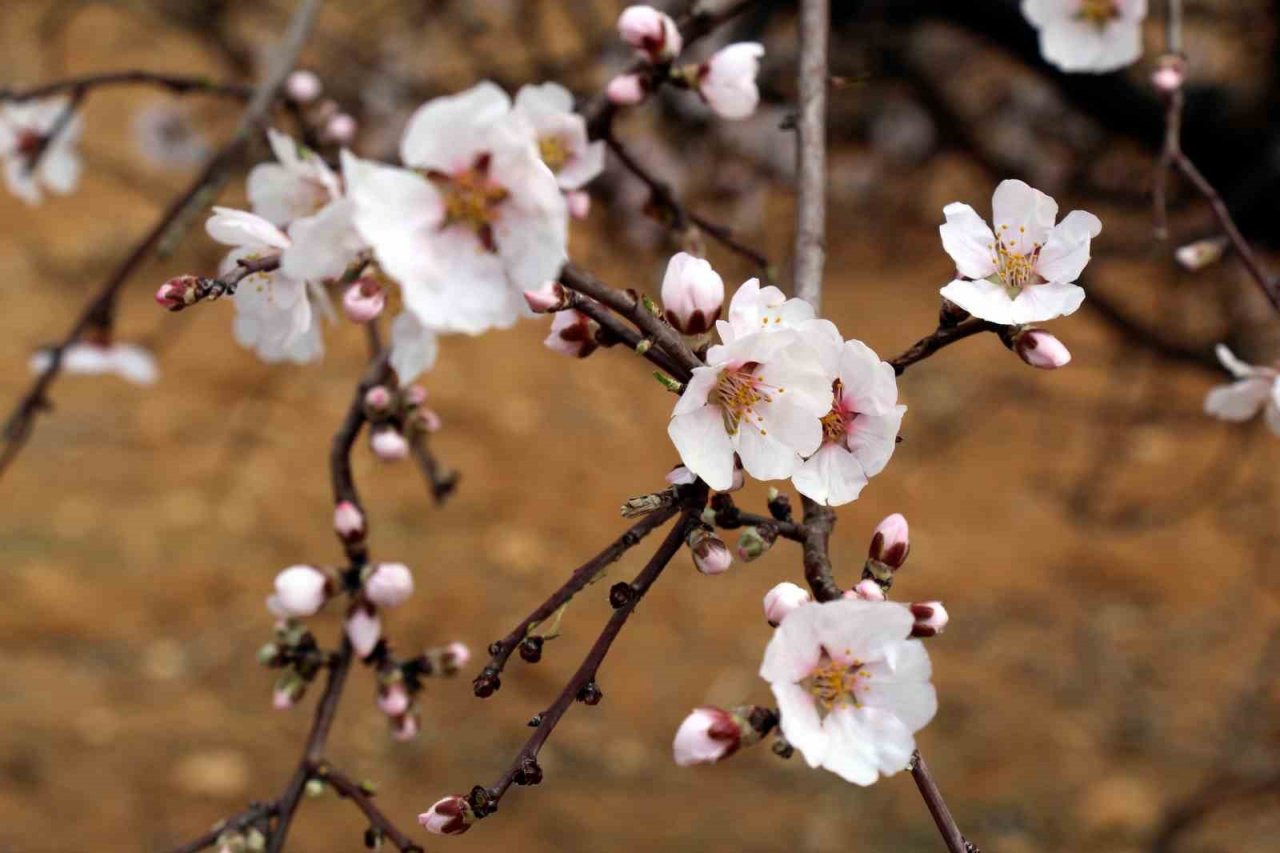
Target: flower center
471	199
739	392
836	685
554	152
1098	11
1014	269
835	423
28	143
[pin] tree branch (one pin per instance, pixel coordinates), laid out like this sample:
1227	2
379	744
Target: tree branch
811	151
363	800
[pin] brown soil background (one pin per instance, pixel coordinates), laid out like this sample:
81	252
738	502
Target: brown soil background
1105	551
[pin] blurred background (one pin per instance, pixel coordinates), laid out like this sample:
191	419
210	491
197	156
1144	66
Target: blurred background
1106	551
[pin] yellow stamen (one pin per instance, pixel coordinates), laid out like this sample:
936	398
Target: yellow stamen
835	684
554	152
1098	12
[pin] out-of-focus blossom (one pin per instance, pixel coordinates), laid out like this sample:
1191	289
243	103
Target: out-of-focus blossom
127	361
727	81
1094	36
24	134
1255	389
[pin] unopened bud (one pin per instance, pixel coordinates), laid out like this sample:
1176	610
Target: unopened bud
867	590
455	656
549	297
341	129
377	401
692	294
388	444
706	736
348	522
301	590
627	90
393	699
450	816
782	600
754	542
363	629
572	334
1040	349
363	301
314	788
891	542
303	87
288	691
405	727
177	293
579	202
931	618
1170	73
388	584
1202	253
650	32
710	555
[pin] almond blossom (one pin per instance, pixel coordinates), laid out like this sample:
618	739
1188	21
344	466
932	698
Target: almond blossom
860	431
298	184
475	219
561	134
727	81
90	358
1027	274
1255	389
651	32
24	127
692	294
762	309
1088	35
852	688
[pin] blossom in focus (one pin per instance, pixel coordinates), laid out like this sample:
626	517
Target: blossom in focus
852	687
450	816
762	309
1255	389
561	134
298	184
727	81
1027	273
860	429
650	32
127	361
710	555
891	541
474	220
23	128
706	736
692	294
782	601
1093	36
931	618
1040	349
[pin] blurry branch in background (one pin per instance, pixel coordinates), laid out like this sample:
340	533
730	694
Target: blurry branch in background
97	314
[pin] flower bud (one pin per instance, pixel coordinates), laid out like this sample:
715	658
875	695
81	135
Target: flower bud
549	297
1170	73
288	691
651	32
377	400
363	301
706	736
867	590
571	334
405	727
780	601
727	81
303	87
348	522
627	90
428	420
363	630
456	656
314	788
388	584
177	293
579	202
388	444
1040	349
710	555
301	591
891	542
450	816
1202	253
692	294
753	543
393	699
341	129
931	618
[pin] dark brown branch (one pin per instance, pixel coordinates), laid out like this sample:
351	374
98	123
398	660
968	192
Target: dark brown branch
818	522
946	824
363	800
178	84
525	770
614	331
441	481
811	150
729	517
256	814
631	307
943	336
500	652
343	481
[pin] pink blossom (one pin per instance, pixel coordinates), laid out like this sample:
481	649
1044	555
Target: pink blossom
450	816
303	86
891	541
627	90
301	590
579	203
692	294
393	700
405	727
364	300
572	334
706	736
348	521
388	444
931	618
1040	349
363	629
650	32
389	584
341	129
783	600
710	555
549	297
727	81
867	590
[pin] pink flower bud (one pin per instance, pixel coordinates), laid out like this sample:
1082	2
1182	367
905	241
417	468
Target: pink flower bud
363	301
931	618
1202	253
388	444
891	542
414	395
177	293
867	590
301	590
389	584
393	700
303	87
727	81
363	630
706	736
571	334
780	601
710	555
579	202
1040	349
341	129
1170	73
627	90
692	294
650	32
348	521
288	691
405	727
427	419
378	399
456	656
450	816
549	297
281	699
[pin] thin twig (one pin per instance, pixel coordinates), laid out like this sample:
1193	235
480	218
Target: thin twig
351	790
613	331
811	151
178	84
946	824
943	336
255	814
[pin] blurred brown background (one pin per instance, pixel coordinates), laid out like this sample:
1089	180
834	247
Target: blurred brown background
1105	550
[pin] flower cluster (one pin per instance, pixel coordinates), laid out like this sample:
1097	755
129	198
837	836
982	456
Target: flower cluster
784	394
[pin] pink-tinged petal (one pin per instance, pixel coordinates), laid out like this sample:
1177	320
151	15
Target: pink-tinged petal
323	245
447	134
704	446
1066	252
968	240
869	385
241	228
1239	401
800	722
873	438
1022	215
833	476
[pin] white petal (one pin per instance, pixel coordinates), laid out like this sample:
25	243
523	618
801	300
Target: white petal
873	439
696	390
792	422
866	739
704	446
853	630
323	245
241	228
1022	215
903	690
982	299
413	347
1239	369
1066	252
1039	302
1238	401
447	134
135	364
763	455
532	231
869	383
800	723
833	476
968	240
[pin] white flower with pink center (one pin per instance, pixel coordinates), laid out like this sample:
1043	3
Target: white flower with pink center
298	184
476	218
852	688
23	128
1255	389
561	134
860	431
761	396
1094	36
1024	271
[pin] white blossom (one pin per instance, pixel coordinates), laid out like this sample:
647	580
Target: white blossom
1088	35
1255	389
561	134
298	184
127	361
23	128
727	81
